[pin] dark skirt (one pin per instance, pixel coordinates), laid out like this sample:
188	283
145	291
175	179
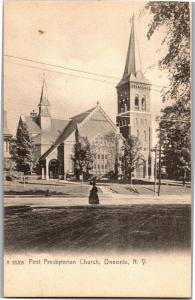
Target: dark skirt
93	196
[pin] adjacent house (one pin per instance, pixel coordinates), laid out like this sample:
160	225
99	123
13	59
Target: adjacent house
6	146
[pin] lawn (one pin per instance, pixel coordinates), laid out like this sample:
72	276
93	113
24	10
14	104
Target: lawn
141	189
40	188
71	189
145	227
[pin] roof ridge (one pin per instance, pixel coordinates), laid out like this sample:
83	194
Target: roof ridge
84	112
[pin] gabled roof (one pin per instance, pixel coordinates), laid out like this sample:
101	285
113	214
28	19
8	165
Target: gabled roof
68	130
32	125
80	117
57	127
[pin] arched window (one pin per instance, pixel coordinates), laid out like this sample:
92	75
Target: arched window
143	103
136	103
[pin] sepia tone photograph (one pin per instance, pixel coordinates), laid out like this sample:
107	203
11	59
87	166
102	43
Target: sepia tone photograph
97	148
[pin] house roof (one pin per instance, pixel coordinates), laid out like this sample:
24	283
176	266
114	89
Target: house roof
68	130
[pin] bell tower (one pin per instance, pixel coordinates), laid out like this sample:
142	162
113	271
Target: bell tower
133	113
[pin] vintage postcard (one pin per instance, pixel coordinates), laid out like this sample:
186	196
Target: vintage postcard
97	148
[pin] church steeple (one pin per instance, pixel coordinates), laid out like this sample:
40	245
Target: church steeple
133	93
44	116
130	66
44	102
133	68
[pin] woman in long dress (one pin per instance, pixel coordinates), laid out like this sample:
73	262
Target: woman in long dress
93	196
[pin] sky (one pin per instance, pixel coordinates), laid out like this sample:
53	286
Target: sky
87	35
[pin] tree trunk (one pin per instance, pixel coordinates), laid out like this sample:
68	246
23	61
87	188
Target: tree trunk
184	177
116	168
77	175
130	178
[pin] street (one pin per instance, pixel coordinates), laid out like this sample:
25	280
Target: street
60	224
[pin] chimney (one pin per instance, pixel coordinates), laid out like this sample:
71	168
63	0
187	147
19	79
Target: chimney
33	114
5	119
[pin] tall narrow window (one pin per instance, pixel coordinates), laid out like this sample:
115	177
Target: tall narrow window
136	103
138	134
144	104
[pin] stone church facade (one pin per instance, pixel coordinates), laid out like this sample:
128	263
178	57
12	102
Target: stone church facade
134	115
93	124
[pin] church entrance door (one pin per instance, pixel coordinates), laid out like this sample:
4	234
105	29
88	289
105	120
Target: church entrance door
141	170
54	168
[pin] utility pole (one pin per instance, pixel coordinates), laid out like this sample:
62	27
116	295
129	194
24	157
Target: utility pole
155	170
159	166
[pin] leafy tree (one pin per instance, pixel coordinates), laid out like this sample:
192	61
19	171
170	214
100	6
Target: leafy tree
131	156
112	140
174	17
175	121
22	149
82	157
175	139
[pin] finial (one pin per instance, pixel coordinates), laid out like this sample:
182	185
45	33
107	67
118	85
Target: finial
131	20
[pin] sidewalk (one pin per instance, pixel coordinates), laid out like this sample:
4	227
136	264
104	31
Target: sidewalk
104	201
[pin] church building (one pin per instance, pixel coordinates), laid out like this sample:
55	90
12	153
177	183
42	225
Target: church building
54	139
96	126
134	115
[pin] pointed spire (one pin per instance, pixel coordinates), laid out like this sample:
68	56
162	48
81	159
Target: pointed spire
44	100
132	61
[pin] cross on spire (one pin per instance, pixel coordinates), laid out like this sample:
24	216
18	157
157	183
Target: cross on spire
131	20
